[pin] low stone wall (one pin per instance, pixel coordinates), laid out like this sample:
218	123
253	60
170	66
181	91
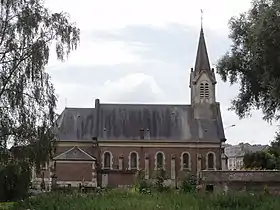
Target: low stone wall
254	180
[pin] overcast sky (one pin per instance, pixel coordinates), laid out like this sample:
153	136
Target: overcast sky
142	51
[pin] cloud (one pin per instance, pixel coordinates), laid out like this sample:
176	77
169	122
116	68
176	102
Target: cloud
109	14
137	87
174	42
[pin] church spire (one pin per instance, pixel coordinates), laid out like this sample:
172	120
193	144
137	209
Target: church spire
202	60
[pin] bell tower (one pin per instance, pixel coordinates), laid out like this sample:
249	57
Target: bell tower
202	77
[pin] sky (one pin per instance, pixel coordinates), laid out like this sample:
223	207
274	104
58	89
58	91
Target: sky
141	51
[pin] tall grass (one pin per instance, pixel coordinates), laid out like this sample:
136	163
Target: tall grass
125	200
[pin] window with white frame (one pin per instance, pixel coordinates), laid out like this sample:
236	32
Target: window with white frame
133	160
159	160
107	160
185	161
211	161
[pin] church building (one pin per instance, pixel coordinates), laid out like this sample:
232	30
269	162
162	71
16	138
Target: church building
125	138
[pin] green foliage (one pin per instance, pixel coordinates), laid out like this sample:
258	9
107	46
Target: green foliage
265	190
142	185
253	60
160	178
260	160
274	149
14	181
124	200
6	205
27	32
238	201
189	183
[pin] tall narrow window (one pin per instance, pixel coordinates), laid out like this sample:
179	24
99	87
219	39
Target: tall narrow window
185	160
206	90
133	160
210	161
107	160
201	90
159	160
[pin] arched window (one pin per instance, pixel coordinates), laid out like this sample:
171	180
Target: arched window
210	161
107	160
201	90
206	90
185	161
133	160
159	160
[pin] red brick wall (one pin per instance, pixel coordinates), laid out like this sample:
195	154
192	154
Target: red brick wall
118	151
76	171
120	179
73	171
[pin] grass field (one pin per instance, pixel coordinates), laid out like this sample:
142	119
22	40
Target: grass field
124	200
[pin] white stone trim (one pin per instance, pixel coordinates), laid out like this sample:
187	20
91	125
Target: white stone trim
93	166
120	163
182	161
88	155
111	161
147	168
163	155
76	183
137	160
74	161
173	169
214	157
145	143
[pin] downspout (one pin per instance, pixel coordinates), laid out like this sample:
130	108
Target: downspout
96	143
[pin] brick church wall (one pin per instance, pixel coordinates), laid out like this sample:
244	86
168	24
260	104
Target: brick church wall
76	172
71	171
118	178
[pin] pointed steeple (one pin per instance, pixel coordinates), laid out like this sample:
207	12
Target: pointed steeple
202	60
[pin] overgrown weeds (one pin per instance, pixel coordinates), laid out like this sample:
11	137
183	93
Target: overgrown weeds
127	200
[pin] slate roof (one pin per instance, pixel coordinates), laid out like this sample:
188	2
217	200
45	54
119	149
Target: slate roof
76	124
127	121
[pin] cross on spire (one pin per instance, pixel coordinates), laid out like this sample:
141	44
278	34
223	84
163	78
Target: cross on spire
202	60
201	17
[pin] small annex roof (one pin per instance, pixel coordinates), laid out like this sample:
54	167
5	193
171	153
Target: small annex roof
75	153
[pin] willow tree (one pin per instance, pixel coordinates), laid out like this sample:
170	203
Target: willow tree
27	99
254	59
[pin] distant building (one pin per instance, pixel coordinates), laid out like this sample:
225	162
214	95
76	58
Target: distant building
235	153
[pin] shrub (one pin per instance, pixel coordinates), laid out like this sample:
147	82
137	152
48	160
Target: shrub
265	190
160	178
14	181
189	183
142	185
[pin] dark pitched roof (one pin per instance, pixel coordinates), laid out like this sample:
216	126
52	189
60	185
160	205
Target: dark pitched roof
156	122
76	124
